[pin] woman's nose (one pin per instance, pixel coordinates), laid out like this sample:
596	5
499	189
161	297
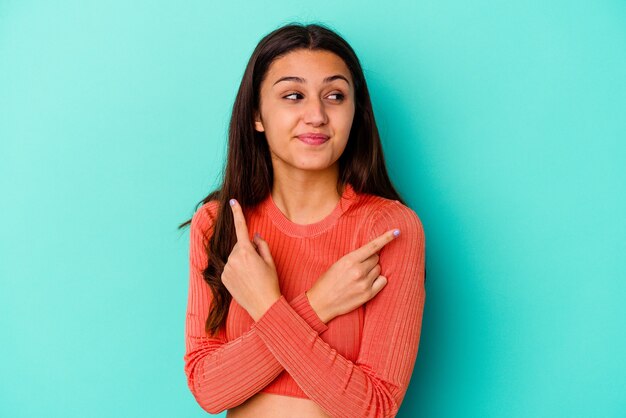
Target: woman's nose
315	113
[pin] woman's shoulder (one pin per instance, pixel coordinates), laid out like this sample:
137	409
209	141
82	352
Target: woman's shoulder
379	205
387	212
205	215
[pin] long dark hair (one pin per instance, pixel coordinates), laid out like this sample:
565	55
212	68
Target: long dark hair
248	175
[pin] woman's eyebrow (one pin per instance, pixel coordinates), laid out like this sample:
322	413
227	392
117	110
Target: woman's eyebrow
302	80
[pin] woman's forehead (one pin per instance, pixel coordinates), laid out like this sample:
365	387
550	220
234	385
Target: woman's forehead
305	66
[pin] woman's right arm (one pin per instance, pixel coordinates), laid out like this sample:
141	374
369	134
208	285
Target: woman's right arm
222	374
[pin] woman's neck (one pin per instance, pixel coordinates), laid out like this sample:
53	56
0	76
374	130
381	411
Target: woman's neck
306	201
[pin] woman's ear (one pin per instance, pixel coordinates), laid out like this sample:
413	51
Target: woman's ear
258	124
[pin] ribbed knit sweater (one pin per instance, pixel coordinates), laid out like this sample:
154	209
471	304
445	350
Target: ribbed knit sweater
359	364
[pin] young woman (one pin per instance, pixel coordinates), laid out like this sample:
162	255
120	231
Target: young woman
307	269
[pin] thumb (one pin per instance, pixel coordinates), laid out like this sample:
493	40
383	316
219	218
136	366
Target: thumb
378	284
264	249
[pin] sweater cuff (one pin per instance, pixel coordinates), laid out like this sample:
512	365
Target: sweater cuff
272	325
302	306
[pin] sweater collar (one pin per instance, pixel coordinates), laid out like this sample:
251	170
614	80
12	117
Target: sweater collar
290	228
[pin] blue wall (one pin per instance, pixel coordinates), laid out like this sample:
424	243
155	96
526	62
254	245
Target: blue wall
503	126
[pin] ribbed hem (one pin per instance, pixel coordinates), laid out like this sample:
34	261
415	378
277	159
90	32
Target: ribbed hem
298	230
302	306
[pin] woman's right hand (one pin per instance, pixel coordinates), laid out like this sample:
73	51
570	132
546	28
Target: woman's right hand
351	281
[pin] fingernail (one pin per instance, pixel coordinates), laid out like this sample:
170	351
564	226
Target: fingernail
396	232
232	202
256	234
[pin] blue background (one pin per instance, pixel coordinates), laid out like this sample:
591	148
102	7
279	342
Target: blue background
503	126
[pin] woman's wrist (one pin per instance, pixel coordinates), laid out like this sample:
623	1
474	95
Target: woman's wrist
263	307
318	306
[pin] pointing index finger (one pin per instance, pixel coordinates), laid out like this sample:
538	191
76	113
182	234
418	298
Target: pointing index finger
241	228
376	244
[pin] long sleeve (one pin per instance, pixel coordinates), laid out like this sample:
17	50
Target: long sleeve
221	374
375	384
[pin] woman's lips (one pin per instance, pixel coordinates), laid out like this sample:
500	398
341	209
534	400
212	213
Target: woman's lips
313	139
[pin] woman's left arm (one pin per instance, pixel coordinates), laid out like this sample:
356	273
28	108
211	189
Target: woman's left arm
375	384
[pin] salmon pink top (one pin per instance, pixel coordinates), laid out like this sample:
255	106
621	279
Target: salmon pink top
358	364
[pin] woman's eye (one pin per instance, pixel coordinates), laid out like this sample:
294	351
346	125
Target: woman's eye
293	94
339	97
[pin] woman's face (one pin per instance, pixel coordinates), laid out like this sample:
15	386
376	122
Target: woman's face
306	103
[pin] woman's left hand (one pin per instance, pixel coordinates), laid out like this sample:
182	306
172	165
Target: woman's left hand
250	276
